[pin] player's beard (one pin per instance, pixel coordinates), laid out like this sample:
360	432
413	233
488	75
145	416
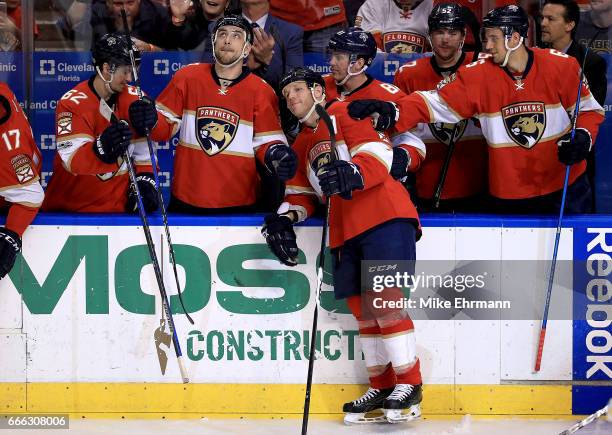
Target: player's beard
449	55
224	59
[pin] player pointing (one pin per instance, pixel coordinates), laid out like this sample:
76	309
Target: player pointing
523	99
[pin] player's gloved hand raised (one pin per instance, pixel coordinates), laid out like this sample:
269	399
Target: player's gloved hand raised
340	177
10	246
400	164
282	160
143	115
148	192
113	142
574	151
384	113
280	237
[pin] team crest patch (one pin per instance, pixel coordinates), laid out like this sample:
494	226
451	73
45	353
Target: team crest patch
23	168
404	42
215	128
525	122
64	123
443	131
319	155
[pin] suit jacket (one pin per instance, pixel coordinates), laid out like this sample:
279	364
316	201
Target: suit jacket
594	70
288	51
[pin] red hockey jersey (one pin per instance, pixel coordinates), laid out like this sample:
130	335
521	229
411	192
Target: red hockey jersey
81	182
377	90
222	130
521	118
382	198
467	172
20	162
310	14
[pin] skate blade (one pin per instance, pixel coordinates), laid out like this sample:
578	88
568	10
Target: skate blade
351	419
402	415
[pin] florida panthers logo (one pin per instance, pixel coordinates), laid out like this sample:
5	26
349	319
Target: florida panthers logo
443	131
319	155
215	128
525	122
404	42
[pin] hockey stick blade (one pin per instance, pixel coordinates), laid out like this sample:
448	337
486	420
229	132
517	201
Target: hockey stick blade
156	268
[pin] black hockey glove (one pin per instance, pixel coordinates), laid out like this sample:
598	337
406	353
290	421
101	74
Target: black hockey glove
282	160
280	237
340	177
148	192
113	142
384	114
574	151
10	246
143	115
400	164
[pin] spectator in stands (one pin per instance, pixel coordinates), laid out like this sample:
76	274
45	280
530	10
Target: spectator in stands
74	24
320	19
149	22
398	26
560	19
351	7
595	25
10	26
277	44
193	23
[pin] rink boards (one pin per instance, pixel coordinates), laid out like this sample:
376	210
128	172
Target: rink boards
78	314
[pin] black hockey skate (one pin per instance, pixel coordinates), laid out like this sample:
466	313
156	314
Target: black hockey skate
403	404
372	400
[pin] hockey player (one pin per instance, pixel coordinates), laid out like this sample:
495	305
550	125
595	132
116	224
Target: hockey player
371	219
20	188
524	99
350	53
227	118
399	26
89	173
466	178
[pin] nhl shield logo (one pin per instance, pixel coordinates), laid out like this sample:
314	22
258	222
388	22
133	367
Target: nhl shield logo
215	128
525	122
319	155
443	131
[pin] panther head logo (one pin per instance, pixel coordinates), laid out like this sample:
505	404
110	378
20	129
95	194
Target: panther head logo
215	128
443	131
215	135
525	122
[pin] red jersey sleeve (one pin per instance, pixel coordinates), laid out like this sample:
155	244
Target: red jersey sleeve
368	149
266	123
300	196
170	105
20	162
75	134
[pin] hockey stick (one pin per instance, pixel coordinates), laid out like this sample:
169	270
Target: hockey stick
320	269
156	268
447	160
160	197
588	420
551	276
